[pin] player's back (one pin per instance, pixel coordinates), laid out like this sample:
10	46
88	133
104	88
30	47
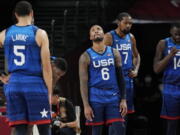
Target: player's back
124	46
22	52
172	71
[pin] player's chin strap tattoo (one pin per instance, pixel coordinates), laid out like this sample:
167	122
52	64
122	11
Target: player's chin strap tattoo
121	82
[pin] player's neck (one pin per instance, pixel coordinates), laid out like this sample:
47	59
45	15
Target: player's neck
24	21
120	33
178	43
99	47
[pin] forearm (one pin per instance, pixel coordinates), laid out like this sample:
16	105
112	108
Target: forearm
84	93
72	124
83	76
47	75
161	65
136	62
121	82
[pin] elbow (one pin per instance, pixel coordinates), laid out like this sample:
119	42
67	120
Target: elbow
156	69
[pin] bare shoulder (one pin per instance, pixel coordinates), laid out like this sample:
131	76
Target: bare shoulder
84	58
117	57
161	44
41	32
115	51
2	37
132	37
3	32
108	39
108	35
41	35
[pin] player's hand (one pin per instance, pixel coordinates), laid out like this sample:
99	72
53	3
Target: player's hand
88	112
62	125
173	51
123	107
4	78
132	73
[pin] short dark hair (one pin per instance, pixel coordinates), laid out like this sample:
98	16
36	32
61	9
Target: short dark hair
121	15
177	25
56	92
60	63
23	8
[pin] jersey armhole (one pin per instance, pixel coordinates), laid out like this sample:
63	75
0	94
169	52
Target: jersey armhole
112	35
6	30
165	49
35	29
113	53
90	59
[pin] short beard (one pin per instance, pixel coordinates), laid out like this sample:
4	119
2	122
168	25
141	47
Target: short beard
98	39
125	31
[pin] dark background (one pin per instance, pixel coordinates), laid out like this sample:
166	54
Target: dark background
69	38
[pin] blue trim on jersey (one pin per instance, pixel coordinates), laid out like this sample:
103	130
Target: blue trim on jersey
99	53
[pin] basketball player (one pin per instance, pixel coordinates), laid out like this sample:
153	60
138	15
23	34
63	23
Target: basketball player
125	43
102	85
59	68
29	88
167	59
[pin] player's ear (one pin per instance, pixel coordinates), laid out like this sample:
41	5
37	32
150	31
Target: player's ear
90	36
117	22
16	15
32	14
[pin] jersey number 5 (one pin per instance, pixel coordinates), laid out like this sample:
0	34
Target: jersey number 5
18	53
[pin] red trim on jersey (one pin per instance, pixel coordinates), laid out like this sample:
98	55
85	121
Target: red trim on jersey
27	122
39	122
130	111
170	118
7	120
114	120
94	123
3	109
18	122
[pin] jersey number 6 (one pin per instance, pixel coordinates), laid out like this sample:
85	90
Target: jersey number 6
105	73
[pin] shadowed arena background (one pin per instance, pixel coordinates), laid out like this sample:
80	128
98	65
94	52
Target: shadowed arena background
67	23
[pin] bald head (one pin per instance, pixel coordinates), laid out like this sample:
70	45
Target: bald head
96	33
